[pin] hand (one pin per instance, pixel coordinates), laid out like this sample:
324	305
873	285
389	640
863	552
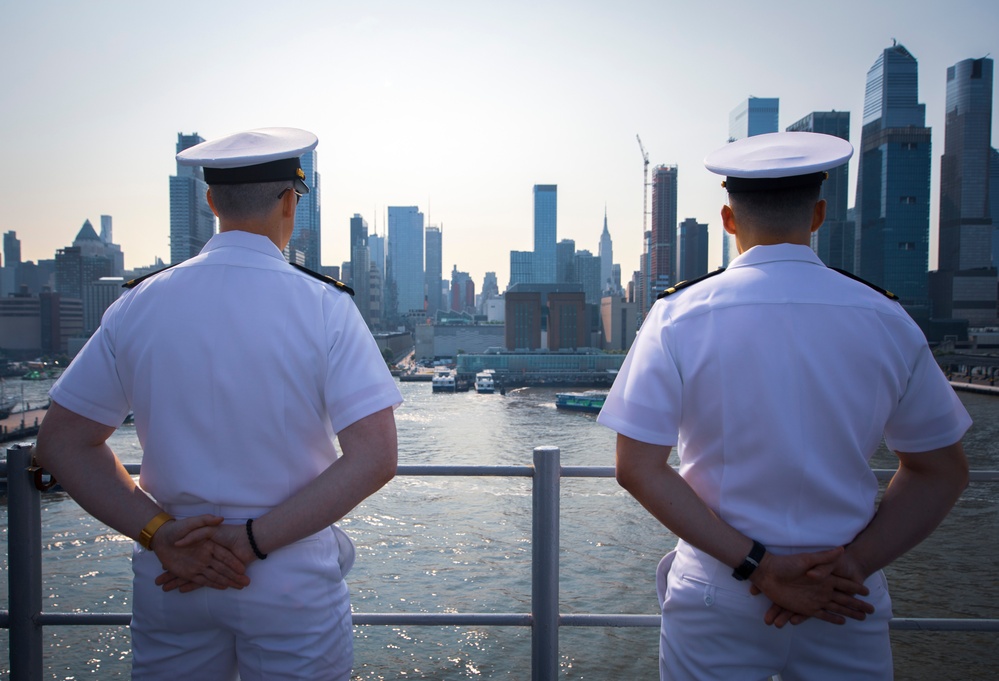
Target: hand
822	585
192	559
847	572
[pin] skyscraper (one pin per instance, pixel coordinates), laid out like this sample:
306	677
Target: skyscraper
306	237
834	241
358	230
754	116
893	181
434	267
192	222
606	254
965	216
405	259
587	268
663	245
965	285
693	249
84	262
565	261
545	232
521	268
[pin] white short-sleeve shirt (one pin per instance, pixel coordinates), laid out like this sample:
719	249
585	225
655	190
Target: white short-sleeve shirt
240	370
777	380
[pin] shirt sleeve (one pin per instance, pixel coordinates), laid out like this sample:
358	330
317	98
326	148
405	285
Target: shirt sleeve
929	415
90	385
645	401
358	382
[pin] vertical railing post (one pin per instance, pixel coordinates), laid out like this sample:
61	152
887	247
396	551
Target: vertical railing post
544	564
24	566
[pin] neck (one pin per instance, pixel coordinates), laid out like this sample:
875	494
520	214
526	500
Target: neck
271	231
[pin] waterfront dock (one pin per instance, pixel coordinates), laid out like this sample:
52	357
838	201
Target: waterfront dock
21	424
984	388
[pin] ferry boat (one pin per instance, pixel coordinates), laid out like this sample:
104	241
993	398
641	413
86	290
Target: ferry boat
589	401
484	383
444	381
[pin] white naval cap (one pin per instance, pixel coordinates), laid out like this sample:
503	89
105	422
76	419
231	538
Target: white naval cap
261	155
778	160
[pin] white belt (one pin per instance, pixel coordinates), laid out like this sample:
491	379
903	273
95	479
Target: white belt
226	511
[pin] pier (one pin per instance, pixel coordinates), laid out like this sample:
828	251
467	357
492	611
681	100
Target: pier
22	424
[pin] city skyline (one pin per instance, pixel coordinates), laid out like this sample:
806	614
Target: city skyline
443	115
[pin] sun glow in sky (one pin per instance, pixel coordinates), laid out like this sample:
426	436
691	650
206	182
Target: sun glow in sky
456	107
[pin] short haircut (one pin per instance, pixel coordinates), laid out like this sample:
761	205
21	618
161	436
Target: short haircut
241	202
781	212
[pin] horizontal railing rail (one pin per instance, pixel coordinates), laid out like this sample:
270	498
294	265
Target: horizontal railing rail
25	618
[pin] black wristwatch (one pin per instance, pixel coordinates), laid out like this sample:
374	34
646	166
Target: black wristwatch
751	562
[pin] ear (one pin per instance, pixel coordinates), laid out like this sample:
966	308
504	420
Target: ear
728	219
211	202
289	202
818	214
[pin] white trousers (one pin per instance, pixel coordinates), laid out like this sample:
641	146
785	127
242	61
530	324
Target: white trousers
713	629
291	623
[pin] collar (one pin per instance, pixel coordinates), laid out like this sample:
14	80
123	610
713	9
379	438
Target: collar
238	239
758	255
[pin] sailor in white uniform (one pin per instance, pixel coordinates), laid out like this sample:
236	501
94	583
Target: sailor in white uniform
241	370
776	380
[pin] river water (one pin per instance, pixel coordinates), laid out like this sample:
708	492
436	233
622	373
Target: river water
442	544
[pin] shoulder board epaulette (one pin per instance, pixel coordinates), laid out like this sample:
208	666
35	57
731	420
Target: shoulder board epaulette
325	279
132	283
688	282
886	293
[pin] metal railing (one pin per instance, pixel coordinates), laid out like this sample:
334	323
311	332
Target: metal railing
25	618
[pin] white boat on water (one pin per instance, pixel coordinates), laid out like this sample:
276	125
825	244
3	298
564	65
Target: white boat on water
484	383
444	381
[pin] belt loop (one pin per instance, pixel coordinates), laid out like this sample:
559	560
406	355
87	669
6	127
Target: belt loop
709	595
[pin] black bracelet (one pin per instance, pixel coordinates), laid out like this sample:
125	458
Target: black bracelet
253	544
751	562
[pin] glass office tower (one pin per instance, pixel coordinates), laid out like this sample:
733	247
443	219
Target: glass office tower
545	232
834	242
893	182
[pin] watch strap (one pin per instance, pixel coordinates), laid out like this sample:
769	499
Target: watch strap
751	562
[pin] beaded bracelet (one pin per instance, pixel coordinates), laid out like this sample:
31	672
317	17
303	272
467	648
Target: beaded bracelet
253	544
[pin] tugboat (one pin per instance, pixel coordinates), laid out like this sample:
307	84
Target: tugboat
590	401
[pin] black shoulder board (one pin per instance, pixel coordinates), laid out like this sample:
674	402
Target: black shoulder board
323	278
887	294
688	282
132	283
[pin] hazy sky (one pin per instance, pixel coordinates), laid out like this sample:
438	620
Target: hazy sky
456	107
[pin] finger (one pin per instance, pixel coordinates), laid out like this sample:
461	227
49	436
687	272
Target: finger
189	587
229	559
174	583
195	536
798	619
855	610
849	586
783	618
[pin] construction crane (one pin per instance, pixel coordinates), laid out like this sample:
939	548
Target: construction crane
645	185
